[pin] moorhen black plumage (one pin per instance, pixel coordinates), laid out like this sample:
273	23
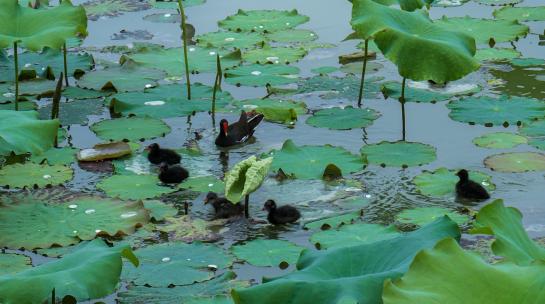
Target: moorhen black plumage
281	215
223	207
157	155
468	189
238	132
174	174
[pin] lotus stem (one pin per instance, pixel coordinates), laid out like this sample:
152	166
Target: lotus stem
184	38
53	297
16	60
186	208
219	71
55	108
247	206
360	97
402	101
217	86
65	51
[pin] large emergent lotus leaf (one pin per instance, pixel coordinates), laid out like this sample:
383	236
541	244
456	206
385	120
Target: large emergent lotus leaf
516	162
176	263
526	13
246	177
168	101
420	49
310	162
22	132
353	235
262	75
229	40
111	8
485	31
34	175
435	276
512	242
267	252
30	223
420	92
399	154
11	263
133	186
274	55
442	182
172	60
500	140
132	128
425	215
36	29
353	274
343	118
262	21
489	111
75	274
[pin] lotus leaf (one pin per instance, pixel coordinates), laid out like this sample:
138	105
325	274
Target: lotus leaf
292	36
101	8
276	110
500	140
338	88
407	5
483	30
188	230
442	55
425	215
75	112
353	274
526	13
75	274
399	154
267	252
355	68
262	21
176	263
496	54
516	162
159	210
343	118
535	132
229	40
31	174
79	93
418	92
442	182
353	235
105	151
11	263
133	186
490	111
526	62
203	184
168	101
23	132
262	75
334	221
324	70
132	128
498	2
172	4
36	29
56	156
163	18
309	162
246	177
523	79
274	55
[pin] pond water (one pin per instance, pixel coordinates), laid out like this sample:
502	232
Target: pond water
388	190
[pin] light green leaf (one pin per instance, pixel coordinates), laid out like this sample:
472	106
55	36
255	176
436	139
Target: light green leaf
442	182
31	174
262	21
262	75
425	215
133	186
267	252
343	118
23	132
399	154
516	162
526	13
500	140
353	235
246	177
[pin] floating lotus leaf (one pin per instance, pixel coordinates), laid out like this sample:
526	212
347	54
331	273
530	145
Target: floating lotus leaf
292	36
436	275
407	5
209	292
527	62
535	130
353	274
274	55
353	235
23	132
324	70
246	177
11	263
168	101
75	274
56	156
425	215
79	93
512	241
419	92
133	186
399	154
111	8
496	54
172	60
442	182
516	162
132	128
159	210
356	67
203	184
127	77
498	2
260	105
262	75
309	162
34	175
500	140
343	118
105	151
523	79
338	88
172	4
267	252
483	30
262	21
75	112
334	221
229	40
442	55
526	13
176	263
163	18
35	29
31	223
38	87
188	230
490	111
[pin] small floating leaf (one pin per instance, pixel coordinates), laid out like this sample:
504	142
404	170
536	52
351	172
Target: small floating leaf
274	55
352	235
516	162
262	21
31	174
343	118
399	154
442	181
267	252
262	75
133	186
425	215
526	13
132	128
500	140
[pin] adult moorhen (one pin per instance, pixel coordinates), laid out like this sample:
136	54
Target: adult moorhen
282	215
468	189
172	175
238	132
156	155
223	207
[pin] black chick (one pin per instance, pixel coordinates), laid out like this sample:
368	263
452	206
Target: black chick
173	174
157	155
281	215
468	189
223	207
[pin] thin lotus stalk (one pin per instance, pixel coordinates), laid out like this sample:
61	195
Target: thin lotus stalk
217	86
247	206
65	51
184	38
219	71
16	60
55	108
360	97
402	101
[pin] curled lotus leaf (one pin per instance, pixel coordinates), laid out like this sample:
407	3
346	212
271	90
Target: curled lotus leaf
246	177
399	154
262	21
105	151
